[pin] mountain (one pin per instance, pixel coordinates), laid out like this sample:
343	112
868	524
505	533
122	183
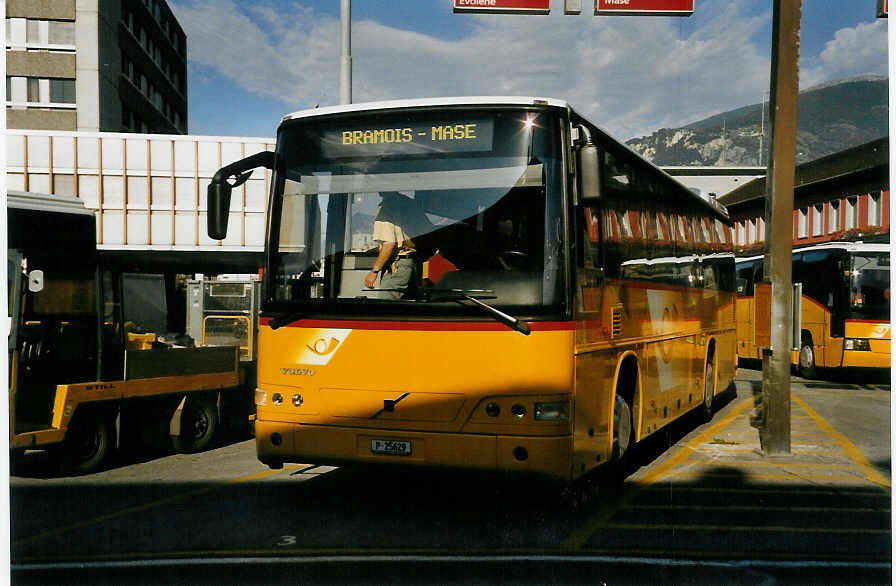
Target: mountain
831	117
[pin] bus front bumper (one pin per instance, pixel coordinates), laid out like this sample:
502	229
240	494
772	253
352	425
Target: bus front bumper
866	360
278	443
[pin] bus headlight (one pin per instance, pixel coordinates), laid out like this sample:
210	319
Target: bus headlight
261	397
554	411
857	344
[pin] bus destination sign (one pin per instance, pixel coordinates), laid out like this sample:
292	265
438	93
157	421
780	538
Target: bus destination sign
645	7
504	6
417	138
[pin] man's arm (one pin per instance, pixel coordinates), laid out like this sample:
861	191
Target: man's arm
382	258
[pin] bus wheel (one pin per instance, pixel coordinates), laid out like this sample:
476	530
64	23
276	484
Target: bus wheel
709	388
198	424
623	437
87	444
807	360
16	459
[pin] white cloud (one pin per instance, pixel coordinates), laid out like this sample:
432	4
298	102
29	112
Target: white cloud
852	52
629	75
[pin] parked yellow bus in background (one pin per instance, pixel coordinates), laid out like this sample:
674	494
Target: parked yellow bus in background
572	298
841	310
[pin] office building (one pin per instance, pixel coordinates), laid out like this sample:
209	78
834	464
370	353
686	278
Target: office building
95	65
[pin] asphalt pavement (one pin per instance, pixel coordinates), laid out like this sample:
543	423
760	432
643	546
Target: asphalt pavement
702	504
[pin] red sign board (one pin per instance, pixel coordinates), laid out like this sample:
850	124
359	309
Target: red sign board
645	7
504	6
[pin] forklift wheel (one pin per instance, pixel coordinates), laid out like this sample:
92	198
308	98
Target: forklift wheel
198	425
87	444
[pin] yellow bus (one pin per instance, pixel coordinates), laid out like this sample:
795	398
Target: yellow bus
567	298
841	311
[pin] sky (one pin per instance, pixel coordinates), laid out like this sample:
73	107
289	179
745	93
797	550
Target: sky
251	62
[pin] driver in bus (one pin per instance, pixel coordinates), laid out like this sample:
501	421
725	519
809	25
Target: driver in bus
396	263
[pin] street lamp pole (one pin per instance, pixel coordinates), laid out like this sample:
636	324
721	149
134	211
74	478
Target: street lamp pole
345	53
774	430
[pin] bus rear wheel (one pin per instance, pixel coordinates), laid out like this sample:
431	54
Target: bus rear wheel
198	425
807	360
623	438
709	388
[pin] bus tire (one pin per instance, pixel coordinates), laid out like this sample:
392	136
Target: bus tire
623	439
16	459
709	387
88	442
198	425
806	364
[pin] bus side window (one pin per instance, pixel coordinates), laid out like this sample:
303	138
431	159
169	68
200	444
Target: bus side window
588	279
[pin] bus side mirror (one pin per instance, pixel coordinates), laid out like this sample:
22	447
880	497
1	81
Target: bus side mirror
218	209
589	174
220	188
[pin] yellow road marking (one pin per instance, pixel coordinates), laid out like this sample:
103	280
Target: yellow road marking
150	505
759	490
758	508
747	464
768	529
689	475
579	537
682	454
871	473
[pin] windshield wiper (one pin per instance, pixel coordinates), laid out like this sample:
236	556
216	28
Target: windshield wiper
464	294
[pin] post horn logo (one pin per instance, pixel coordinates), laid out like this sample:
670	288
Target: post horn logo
322	346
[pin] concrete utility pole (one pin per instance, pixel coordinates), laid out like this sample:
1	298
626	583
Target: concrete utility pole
774	425
345	53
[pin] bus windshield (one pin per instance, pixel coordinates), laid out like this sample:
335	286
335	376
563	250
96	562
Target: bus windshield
870	285
471	200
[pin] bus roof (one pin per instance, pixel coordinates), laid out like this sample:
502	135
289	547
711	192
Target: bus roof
847	246
425	102
857	246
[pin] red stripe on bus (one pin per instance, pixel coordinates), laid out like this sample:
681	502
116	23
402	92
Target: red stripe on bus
868	321
427	326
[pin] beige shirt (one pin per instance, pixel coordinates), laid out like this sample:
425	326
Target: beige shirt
384	231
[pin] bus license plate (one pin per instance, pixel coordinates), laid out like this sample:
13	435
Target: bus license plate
391	447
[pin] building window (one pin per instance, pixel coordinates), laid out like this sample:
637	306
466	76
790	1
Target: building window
16	89
817	217
62	91
61	32
751	232
852	213
803	223
760	229
833	217
874	209
35	33
33	90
